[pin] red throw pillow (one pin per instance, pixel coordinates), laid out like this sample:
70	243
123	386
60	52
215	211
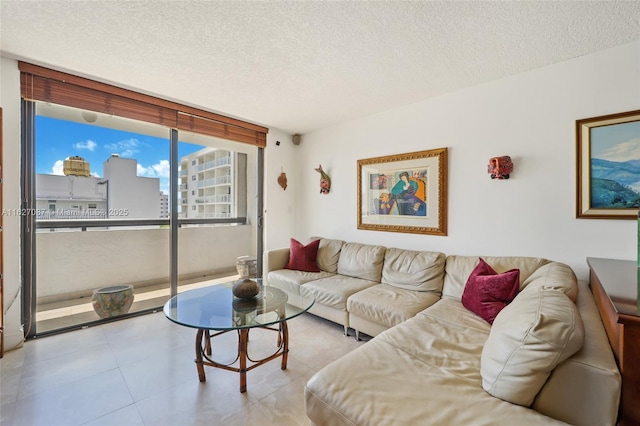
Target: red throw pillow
487	292
303	258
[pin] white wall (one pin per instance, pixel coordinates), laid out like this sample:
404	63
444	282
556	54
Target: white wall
10	103
76	263
55	187
281	206
531	117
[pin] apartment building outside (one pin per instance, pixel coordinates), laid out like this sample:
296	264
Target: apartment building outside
129	192
164	205
120	193
213	184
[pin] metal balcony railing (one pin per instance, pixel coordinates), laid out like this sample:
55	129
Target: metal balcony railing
209	218
71	263
218	215
220	180
222	198
213	164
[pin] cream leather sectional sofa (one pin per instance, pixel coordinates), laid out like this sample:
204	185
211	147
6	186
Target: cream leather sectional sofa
545	360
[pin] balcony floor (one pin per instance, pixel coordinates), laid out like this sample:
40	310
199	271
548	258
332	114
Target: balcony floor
74	312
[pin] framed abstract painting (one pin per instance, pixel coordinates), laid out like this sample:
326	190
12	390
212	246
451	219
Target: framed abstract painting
404	192
608	166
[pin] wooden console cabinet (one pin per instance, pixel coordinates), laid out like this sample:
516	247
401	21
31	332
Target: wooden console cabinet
614	284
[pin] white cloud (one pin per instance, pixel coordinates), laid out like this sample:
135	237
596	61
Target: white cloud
58	168
160	170
88	145
145	171
125	148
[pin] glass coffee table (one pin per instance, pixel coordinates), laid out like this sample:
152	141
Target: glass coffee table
213	311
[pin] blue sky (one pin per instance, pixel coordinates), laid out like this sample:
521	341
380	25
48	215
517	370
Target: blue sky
57	140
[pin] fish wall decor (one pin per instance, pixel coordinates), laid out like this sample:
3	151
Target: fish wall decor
325	180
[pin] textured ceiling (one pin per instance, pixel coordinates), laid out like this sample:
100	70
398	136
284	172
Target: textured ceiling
302	66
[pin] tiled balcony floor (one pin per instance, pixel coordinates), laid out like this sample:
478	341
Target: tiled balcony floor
73	312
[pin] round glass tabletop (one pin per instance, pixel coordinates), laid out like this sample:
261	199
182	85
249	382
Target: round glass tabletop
215	308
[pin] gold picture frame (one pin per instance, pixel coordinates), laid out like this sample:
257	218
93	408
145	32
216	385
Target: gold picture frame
404	192
608	166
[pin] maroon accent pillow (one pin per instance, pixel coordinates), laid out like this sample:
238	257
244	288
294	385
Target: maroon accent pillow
487	292
303	258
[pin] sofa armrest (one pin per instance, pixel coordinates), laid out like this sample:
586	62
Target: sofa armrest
274	260
584	389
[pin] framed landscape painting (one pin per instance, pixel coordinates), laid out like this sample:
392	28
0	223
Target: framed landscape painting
404	192
608	166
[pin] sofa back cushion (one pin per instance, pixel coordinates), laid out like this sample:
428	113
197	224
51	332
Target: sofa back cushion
328	254
361	261
532	335
459	268
414	270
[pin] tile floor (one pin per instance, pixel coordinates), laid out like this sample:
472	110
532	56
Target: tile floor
140	371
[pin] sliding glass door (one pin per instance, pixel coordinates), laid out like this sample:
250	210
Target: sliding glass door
104	240
128	193
217	208
101	217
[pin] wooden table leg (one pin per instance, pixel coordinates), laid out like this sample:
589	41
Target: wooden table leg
207	336
242	353
285	344
203	346
199	364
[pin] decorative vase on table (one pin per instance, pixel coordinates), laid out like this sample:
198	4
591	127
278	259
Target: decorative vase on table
112	301
244	288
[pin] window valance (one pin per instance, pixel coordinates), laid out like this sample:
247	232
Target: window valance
47	85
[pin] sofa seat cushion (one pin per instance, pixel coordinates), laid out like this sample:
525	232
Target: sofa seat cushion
446	336
414	270
361	261
334	291
532	335
290	280
388	305
458	269
416	373
451	311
